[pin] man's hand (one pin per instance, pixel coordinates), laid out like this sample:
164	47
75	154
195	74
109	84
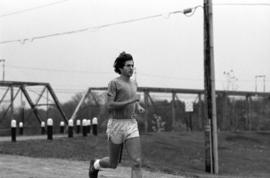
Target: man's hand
140	108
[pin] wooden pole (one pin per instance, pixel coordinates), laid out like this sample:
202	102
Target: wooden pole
209	84
173	110
146	102
249	111
207	145
200	112
224	112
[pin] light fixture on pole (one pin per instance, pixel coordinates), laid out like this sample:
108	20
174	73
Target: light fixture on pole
260	76
231	80
3	61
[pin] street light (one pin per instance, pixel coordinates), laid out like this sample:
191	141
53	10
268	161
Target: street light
260	76
3	65
231	80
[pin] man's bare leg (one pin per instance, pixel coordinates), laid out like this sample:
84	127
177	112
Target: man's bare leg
133	147
114	154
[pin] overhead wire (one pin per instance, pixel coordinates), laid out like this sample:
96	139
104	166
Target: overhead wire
167	77
144	75
241	4
187	12
56	70
98	27
31	9
174	78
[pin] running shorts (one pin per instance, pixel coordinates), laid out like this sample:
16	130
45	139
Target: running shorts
120	130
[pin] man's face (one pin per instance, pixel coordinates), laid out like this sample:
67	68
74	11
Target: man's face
127	69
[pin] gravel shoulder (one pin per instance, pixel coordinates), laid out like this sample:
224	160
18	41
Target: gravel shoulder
26	167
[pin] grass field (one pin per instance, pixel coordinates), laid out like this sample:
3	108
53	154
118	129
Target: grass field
243	154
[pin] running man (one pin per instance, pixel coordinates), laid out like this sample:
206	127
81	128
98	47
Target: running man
122	127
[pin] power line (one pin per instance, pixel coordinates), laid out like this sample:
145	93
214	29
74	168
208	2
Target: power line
55	70
145	75
94	28
31	9
187	12
167	77
241	4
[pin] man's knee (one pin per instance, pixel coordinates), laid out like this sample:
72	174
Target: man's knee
113	164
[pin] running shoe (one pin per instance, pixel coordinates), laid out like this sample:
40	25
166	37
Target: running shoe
93	173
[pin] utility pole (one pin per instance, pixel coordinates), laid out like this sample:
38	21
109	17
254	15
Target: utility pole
210	94
260	76
231	79
173	110
3	61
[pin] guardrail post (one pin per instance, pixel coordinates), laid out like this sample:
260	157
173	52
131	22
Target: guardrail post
42	128
13	130
84	125
21	128
94	126
89	126
70	128
62	127
50	129
78	126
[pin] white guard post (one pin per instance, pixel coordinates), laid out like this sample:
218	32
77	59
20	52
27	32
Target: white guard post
78	126
13	130
89	126
21	128
42	127
84	124
62	127
70	128
50	129
94	125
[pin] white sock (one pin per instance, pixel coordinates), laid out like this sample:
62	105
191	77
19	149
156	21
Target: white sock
96	164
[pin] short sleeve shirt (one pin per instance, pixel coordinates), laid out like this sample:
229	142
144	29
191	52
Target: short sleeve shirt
121	90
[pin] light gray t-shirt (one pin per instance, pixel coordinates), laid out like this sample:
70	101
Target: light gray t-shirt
121	90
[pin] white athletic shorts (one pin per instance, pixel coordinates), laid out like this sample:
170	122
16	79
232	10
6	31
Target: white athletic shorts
119	130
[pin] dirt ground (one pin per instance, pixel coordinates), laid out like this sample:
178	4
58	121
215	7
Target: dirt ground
26	167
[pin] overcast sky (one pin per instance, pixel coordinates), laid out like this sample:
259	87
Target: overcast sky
167	50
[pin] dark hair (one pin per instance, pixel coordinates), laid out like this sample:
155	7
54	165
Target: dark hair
121	60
